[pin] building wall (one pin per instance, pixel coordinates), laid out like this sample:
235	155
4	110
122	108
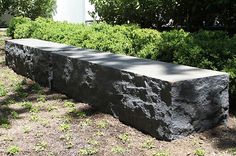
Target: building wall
88	8
73	11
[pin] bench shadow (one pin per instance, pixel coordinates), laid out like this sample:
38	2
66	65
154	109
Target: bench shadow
29	93
83	111
6	112
223	137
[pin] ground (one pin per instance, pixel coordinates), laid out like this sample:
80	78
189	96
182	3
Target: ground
37	121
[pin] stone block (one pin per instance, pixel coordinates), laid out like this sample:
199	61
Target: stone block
165	100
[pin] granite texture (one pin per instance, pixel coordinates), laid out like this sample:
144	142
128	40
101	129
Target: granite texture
164	100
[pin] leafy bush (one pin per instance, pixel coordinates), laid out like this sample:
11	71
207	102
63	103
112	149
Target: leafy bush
16	22
171	44
145	42
205	49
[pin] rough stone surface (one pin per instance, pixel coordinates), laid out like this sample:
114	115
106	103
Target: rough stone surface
164	100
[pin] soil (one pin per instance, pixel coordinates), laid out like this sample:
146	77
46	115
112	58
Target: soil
37	121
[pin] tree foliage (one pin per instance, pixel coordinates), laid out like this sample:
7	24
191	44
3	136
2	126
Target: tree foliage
28	8
192	14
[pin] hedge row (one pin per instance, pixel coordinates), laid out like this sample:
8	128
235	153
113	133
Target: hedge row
205	49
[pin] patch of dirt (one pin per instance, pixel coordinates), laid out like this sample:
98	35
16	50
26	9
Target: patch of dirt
36	121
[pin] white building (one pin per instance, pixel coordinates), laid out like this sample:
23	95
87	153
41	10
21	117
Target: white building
73	11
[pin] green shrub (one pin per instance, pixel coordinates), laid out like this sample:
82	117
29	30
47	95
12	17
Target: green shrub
230	67
214	50
104	37
23	30
16	22
207	49
145	42
170	45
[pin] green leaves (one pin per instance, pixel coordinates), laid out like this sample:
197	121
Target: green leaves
145	12
155	13
28	8
16	21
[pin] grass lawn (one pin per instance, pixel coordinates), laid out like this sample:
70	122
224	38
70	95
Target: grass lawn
37	121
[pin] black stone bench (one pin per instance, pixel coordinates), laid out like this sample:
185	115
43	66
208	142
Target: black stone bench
165	100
